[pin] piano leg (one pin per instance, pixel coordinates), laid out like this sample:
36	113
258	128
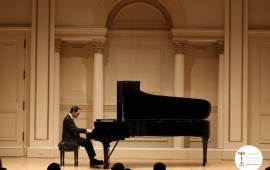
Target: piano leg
205	142
106	151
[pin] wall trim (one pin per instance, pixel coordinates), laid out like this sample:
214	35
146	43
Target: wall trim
146	153
198	35
259	33
80	34
26	30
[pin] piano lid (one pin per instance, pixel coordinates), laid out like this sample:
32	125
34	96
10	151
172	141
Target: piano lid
134	104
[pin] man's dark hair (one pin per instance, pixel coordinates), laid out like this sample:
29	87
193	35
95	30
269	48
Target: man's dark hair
54	166
268	168
159	166
118	166
74	108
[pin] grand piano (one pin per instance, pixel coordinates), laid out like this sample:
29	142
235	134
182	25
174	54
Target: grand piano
143	114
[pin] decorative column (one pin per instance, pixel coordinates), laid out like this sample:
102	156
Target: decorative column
98	46
58	47
220	49
179	79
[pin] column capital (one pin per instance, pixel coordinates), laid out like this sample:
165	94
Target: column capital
98	46
179	47
220	47
58	45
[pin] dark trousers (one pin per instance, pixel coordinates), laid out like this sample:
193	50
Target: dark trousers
87	144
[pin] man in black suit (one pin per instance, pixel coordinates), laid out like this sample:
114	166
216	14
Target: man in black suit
71	134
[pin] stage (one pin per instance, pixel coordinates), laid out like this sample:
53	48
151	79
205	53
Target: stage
22	163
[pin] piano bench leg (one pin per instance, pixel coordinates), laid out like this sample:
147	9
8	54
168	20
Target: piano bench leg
62	158
75	158
205	143
204	161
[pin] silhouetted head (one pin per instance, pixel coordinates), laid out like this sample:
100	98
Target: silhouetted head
159	166
118	166
54	166
75	111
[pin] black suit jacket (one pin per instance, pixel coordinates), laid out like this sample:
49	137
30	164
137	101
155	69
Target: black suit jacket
70	132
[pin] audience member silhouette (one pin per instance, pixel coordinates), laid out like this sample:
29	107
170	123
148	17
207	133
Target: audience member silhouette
118	166
159	166
1	167
54	166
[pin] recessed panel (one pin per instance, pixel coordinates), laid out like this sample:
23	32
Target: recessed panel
8	72
264	130
8	126
264	73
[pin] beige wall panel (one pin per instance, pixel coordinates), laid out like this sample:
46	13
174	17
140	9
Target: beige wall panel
15	13
74	13
11	93
264	77
147	60
201	72
76	75
258	15
9	73
264	93
259	103
207	14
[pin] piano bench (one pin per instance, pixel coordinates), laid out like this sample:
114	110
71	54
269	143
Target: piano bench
64	149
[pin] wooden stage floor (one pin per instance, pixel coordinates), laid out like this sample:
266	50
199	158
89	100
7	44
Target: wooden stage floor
22	163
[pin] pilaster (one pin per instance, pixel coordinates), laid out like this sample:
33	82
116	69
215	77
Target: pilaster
235	74
42	123
56	115
220	49
98	46
179	80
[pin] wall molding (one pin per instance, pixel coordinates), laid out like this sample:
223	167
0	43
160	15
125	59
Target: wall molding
146	153
259	33
25	30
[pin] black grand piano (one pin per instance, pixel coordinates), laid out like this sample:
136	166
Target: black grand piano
143	114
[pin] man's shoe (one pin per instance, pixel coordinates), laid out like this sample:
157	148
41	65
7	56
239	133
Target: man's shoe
95	162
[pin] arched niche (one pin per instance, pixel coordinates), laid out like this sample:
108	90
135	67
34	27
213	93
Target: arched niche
139	16
108	10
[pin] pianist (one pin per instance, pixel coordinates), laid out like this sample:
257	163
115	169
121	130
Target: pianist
71	134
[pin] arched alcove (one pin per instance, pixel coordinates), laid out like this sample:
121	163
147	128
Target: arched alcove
139	15
171	10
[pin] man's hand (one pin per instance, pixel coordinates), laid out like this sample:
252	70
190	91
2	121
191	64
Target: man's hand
89	130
